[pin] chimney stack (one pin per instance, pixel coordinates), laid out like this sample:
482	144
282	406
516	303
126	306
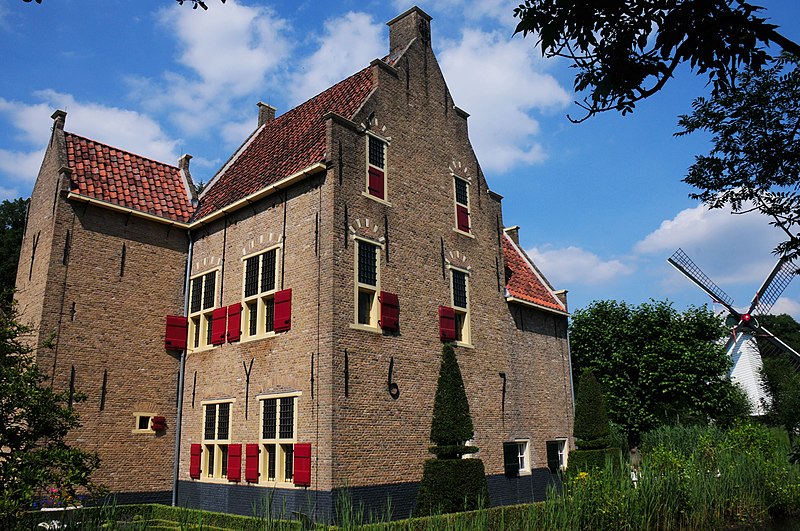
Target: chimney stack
266	113
59	117
513	233
413	24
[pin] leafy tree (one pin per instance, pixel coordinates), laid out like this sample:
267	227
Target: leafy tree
12	226
591	428
780	378
627	50
754	162
450	483
656	366
34	420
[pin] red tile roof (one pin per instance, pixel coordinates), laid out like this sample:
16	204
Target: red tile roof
122	178
525	281
286	145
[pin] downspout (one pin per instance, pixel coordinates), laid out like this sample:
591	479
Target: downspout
179	419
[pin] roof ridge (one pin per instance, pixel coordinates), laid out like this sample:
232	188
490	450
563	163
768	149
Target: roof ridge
122	150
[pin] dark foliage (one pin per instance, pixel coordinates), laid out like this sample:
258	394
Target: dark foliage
452	485
12	226
452	424
626	50
591	428
35	460
754	162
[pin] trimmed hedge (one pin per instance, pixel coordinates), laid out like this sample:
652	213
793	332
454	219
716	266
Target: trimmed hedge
452	485
585	460
157	516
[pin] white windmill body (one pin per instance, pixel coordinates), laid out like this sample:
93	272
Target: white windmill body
746	370
742	345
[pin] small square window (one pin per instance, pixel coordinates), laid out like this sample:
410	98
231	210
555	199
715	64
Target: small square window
142	423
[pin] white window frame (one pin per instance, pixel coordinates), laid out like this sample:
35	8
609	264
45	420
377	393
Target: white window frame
563	453
200	320
385	169
215	450
262	298
359	287
462	314
279	444
523	456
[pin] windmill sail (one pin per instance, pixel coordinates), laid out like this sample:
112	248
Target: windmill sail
685	265
773	286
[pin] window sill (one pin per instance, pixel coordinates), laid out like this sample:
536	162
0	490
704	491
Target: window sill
378	199
465	345
143	432
202	349
277	484
248	339
461	232
365	328
218	481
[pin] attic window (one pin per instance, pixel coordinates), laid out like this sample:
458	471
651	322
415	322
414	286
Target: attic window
376	168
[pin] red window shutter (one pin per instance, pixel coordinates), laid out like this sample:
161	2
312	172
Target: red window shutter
302	464
177	329
194	461
234	322
251	463
234	462
447	323
390	311
462	218
377	183
218	322
283	310
158	424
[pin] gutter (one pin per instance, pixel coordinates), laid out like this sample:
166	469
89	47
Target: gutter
126	210
510	298
181	373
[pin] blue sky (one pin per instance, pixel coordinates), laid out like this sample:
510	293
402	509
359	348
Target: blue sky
601	205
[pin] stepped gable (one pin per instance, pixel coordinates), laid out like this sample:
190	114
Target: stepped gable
109	174
524	281
286	145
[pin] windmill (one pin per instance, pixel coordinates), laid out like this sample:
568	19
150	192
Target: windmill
745	328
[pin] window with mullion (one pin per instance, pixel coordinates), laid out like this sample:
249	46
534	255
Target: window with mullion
278	416
367	283
259	290
377	152
216	436
202	301
460	293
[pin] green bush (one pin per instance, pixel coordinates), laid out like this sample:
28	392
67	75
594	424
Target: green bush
452	485
591	429
585	460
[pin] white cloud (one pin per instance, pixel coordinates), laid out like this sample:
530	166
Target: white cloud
729	248
347	45
500	82
229	54
129	130
576	266
787	306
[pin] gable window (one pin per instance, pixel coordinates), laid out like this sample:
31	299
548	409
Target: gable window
460	291
216	437
462	204
259	293
367	282
376	167
202	300
278	436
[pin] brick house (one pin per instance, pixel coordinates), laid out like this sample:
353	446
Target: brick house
306	294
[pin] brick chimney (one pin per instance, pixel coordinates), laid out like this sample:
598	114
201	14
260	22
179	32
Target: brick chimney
413	24
266	113
513	233
59	117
